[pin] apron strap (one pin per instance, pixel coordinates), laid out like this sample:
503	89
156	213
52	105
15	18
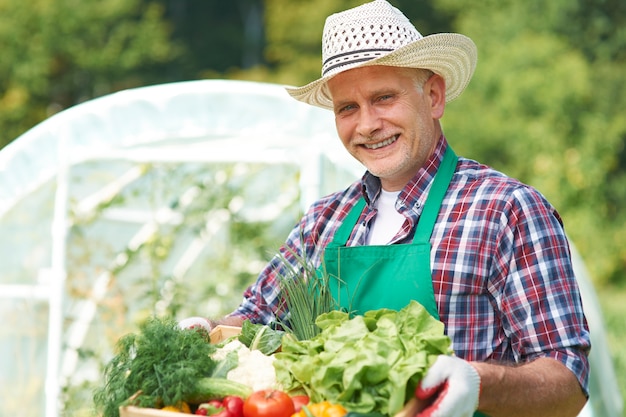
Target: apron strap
343	233
436	194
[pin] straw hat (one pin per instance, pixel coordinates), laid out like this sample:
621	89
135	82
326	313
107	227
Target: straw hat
377	33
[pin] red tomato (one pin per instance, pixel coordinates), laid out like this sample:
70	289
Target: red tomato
268	403
299	401
234	405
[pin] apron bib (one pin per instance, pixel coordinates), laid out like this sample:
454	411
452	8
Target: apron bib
371	277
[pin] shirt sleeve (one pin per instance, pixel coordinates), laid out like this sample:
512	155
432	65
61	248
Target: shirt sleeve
540	300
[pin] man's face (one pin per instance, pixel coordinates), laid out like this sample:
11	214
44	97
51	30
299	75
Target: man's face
386	121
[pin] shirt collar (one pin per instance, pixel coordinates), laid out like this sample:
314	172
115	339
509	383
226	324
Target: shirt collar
414	193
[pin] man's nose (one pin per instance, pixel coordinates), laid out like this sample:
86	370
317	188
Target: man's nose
369	121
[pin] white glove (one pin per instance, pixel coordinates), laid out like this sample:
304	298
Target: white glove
450	387
195	323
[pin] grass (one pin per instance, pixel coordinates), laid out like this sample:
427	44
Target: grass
613	303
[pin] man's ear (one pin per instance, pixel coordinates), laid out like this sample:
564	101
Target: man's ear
435	87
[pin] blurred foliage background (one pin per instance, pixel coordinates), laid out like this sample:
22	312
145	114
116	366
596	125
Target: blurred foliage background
546	104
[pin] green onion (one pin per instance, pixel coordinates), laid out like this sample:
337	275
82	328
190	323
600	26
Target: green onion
306	295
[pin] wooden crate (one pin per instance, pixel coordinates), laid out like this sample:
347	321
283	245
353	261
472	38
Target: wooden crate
221	333
132	411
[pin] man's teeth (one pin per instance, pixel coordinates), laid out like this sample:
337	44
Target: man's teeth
381	144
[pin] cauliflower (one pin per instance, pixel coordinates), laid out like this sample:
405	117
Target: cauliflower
255	369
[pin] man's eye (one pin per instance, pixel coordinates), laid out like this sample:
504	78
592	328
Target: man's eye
346	108
385	97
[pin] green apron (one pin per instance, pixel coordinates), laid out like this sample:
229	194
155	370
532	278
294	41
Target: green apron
364	278
370	277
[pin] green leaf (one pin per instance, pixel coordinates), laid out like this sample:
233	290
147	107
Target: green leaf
260	337
225	365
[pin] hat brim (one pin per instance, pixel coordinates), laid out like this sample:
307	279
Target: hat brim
451	55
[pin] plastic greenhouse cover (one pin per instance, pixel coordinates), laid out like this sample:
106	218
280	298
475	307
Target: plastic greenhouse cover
88	184
84	188
198	120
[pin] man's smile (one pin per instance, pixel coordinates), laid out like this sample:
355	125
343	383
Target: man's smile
385	142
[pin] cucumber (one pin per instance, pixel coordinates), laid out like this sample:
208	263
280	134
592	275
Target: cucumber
207	389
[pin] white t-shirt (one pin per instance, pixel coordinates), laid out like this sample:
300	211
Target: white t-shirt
388	221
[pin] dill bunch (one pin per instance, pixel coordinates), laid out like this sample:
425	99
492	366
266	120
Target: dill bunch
162	361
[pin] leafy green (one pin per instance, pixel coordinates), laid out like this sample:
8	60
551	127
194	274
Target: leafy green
369	363
260	337
163	362
228	363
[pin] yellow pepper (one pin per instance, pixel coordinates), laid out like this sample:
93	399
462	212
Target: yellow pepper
323	409
179	408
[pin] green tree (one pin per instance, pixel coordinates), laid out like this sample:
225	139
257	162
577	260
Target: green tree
544	106
219	36
58	53
293	31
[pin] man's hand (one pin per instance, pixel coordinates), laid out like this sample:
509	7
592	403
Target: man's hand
450	388
195	323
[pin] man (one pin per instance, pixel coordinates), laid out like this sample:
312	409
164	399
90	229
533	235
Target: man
484	253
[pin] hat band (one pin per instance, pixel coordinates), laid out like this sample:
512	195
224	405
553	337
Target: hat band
348	58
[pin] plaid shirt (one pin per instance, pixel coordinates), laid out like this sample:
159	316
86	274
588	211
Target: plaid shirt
501	268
